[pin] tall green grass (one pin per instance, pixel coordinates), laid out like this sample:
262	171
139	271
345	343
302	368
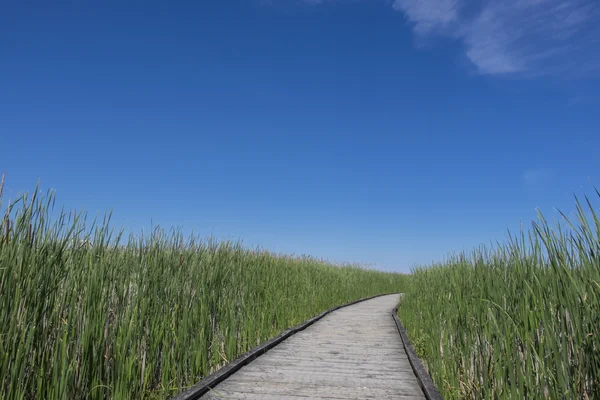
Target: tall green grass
516	321
83	315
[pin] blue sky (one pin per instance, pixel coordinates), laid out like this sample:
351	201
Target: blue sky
381	132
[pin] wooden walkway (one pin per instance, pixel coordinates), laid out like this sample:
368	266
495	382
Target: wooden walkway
353	353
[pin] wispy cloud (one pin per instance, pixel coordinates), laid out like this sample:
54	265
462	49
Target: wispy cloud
430	15
527	37
536	177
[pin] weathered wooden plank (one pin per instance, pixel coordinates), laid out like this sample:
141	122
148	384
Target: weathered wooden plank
317	356
346	368
229	395
352	353
328	357
325	379
320	390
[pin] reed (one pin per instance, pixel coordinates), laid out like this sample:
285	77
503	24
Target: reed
514	321
88	314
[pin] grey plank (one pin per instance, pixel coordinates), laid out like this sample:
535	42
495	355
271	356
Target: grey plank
347	368
320	390
326	379
228	395
353	353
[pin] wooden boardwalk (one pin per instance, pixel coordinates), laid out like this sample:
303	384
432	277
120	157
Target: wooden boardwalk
353	353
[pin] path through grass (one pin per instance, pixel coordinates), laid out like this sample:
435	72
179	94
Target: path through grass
82	316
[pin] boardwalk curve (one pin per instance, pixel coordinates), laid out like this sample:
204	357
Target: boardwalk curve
354	352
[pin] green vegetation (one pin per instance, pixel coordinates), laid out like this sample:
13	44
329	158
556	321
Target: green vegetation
83	315
516	321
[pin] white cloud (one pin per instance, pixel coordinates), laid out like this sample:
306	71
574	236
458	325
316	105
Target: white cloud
428	16
530	37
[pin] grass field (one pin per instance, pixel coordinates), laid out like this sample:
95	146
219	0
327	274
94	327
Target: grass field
516	321
83	315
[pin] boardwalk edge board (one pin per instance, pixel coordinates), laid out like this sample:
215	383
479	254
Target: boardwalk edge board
429	389
205	385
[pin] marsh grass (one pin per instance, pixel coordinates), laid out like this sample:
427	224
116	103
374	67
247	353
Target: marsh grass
87	314
514	321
